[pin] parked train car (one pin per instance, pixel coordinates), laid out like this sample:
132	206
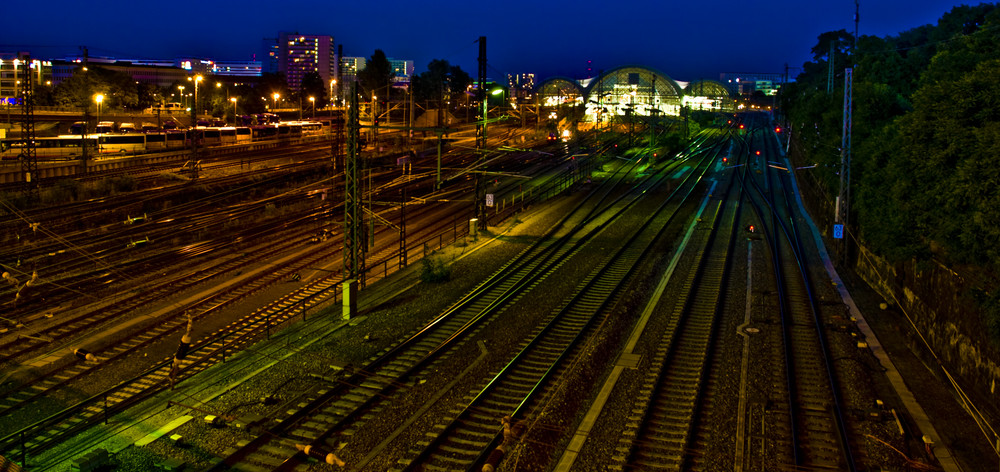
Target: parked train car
152	139
52	148
122	143
244	135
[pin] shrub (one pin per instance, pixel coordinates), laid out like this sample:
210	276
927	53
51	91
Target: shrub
432	270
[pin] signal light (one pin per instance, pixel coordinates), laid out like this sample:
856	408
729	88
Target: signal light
758	153
741	126
725	160
777	129
750	228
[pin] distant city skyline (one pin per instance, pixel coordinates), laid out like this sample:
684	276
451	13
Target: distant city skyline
687	41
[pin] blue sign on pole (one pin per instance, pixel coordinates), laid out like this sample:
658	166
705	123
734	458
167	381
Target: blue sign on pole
838	231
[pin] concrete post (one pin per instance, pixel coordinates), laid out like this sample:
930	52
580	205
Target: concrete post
350	298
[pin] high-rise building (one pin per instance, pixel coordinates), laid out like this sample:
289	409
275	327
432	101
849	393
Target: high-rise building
748	83
522	86
403	70
13	70
349	67
300	54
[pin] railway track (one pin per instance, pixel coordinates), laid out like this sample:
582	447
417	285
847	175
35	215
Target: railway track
662	430
342	406
280	439
213	350
468	440
814	433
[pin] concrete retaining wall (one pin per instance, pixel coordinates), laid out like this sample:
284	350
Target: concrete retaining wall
936	300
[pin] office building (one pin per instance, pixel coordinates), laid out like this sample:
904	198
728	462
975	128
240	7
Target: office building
300	54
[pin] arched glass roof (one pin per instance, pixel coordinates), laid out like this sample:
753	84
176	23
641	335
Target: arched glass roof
707	95
557	91
640	90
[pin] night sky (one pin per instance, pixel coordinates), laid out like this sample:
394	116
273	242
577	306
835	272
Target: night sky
686	40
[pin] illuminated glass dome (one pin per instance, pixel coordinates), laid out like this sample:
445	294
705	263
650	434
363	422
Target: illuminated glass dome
558	91
632	89
707	95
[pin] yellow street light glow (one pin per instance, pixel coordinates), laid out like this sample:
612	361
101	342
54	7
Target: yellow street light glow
98	98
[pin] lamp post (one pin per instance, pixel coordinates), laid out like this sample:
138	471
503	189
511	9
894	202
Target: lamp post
235	122
276	96
181	89
194	107
332	100
98	99
312	101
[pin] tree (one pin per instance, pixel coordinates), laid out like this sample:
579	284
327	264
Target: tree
119	89
314	86
440	82
270	84
842	42
376	77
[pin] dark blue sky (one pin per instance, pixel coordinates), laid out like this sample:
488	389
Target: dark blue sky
686	40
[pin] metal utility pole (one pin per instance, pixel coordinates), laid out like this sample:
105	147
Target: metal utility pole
829	70
844	197
86	113
353	205
481	93
480	204
28	158
402	222
845	150
336	145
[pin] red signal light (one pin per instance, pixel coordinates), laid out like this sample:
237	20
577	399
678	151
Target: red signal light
777	129
741	126
725	160
758	153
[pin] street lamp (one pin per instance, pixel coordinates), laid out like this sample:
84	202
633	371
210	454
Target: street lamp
98	98
312	100
194	107
181	88
276	96
233	99
332	100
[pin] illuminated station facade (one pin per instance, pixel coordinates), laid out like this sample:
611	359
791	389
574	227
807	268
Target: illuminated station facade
629	91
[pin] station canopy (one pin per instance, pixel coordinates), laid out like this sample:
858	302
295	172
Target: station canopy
707	95
560	91
632	89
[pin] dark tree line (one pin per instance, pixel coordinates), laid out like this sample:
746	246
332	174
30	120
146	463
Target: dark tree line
926	133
